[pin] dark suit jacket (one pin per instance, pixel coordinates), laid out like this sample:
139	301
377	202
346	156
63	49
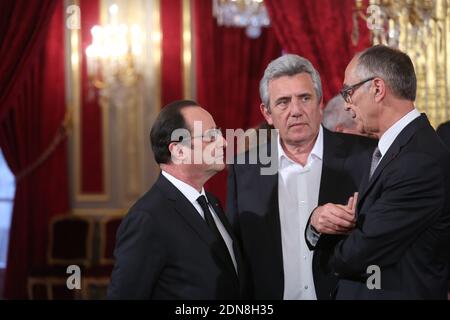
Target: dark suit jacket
403	223
165	250
252	207
443	132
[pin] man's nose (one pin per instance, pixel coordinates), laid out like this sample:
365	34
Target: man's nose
296	107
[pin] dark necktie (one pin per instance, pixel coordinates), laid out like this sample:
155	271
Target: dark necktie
375	160
220	243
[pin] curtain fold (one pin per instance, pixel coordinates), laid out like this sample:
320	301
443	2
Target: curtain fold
229	66
27	129
23	26
321	31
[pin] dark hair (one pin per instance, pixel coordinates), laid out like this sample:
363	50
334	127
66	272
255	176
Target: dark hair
168	120
393	66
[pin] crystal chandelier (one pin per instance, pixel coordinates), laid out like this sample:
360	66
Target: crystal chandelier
249	14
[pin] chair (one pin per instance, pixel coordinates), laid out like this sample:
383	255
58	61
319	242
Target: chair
108	231
70	243
99	276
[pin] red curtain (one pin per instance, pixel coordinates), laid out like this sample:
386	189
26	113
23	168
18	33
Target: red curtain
319	30
23	26
34	87
229	66
171	59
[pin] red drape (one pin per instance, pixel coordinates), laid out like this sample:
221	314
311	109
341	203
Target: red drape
23	25
171	59
229	66
319	30
36	111
91	156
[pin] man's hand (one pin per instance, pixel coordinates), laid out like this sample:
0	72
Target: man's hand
335	218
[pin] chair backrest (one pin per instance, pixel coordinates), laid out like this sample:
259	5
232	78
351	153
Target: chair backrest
108	230
70	240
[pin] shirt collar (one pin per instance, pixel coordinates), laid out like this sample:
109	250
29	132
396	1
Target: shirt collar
316	152
389	136
187	190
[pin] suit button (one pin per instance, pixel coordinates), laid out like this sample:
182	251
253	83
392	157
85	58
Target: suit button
306	287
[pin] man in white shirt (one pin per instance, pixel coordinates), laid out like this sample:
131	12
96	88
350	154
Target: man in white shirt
175	242
400	246
269	213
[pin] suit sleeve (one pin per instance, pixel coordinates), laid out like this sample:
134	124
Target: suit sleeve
412	198
139	257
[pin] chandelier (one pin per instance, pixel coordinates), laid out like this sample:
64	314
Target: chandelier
249	14
114	53
420	28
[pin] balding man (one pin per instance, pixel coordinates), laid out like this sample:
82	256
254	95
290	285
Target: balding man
337	119
175	242
400	246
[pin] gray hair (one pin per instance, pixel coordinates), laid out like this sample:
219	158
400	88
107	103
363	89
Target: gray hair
335	115
288	65
393	66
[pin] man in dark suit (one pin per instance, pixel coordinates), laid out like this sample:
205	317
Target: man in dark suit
269	203
400	246
175	242
443	132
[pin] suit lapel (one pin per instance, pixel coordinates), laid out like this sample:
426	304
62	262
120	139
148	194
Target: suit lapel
185	209
332	166
191	216
390	155
402	139
268	189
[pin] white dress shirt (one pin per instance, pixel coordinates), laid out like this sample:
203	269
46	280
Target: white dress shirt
389	136
192	195
298	195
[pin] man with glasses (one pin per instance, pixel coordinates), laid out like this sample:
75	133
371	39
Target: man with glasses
313	166
175	242
400	246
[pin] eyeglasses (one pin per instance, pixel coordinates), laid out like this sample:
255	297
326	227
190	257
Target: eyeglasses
208	136
347	92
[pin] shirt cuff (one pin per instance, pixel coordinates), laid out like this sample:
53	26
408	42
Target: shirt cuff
312	235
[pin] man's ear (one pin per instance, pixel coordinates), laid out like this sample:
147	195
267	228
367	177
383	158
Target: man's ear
266	113
176	152
380	89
